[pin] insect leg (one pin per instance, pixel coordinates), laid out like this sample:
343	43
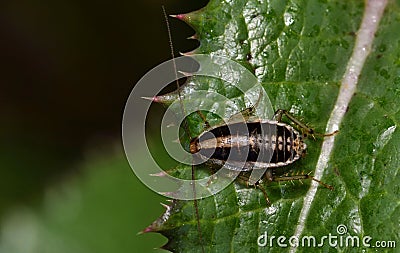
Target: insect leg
243	179
300	177
249	112
280	112
259	186
203	117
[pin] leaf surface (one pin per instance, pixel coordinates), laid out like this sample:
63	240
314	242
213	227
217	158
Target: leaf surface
299	50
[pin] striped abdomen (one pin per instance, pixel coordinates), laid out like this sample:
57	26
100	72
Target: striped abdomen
260	144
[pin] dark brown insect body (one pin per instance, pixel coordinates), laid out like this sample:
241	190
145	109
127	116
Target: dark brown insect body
260	145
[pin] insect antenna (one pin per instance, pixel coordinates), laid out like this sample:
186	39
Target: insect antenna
185	127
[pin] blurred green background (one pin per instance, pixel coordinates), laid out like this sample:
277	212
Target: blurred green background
67	68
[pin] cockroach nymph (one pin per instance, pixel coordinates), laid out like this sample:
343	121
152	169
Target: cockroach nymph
255	145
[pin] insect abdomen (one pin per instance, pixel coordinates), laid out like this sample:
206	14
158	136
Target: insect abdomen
259	144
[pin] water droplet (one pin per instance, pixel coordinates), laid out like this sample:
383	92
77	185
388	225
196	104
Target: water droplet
288	19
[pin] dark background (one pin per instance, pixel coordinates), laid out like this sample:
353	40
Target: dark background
66	70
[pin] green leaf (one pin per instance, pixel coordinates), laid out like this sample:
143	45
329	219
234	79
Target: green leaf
366	154
299	50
